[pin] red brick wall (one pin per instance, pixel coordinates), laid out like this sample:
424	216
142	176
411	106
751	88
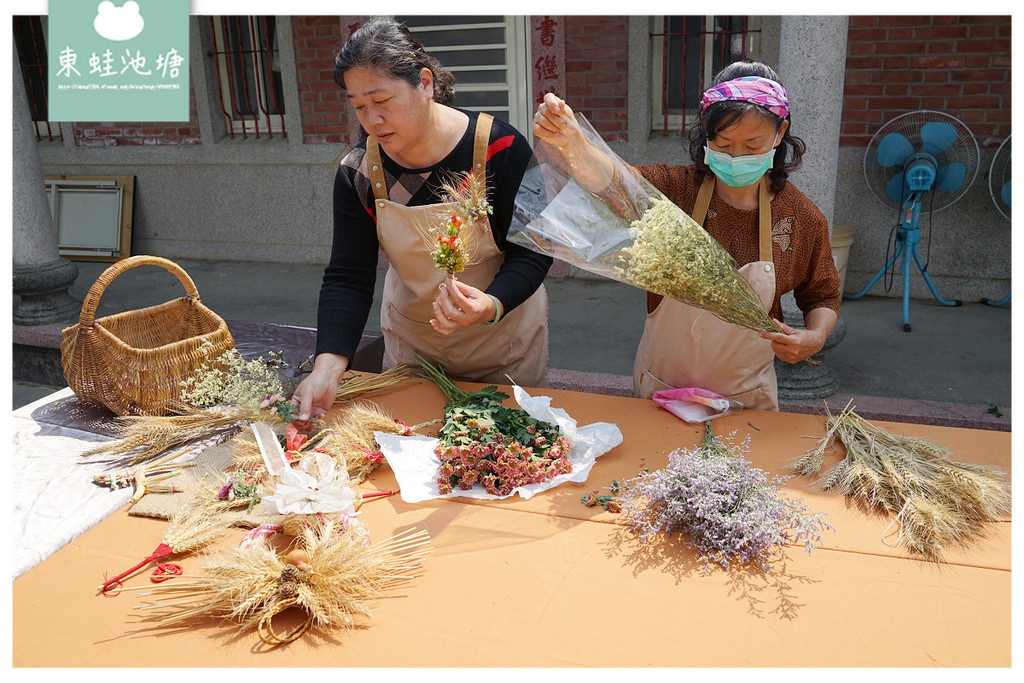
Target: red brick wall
959	65
597	71
322	102
136	134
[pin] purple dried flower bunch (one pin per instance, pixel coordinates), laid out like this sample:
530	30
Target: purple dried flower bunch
733	512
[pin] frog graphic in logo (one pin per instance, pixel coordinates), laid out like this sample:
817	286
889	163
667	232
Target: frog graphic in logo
118	23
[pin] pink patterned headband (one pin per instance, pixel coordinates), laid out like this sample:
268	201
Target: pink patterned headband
760	91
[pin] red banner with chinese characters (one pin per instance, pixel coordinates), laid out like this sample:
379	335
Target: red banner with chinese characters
547	44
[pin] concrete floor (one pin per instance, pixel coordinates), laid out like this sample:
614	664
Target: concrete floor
959	356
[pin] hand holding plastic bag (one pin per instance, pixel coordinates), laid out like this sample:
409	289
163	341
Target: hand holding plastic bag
628	231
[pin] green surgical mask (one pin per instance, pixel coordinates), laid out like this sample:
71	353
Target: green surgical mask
738	171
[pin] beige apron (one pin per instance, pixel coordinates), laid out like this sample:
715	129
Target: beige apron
516	345
685	346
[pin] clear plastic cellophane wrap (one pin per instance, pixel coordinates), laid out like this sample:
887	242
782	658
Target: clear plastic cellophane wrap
629	232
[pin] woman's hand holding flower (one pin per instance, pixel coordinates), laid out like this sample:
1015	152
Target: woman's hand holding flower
460	305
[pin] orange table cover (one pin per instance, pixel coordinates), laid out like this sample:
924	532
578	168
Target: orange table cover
549	582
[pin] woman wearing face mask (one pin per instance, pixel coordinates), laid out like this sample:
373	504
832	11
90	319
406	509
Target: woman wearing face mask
738	190
490	320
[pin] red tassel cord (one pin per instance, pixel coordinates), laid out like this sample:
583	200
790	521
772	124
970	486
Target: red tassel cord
162	550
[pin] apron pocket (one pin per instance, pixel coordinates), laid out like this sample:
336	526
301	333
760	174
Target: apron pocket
649	383
758	398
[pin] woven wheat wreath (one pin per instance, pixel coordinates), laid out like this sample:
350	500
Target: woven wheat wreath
331	572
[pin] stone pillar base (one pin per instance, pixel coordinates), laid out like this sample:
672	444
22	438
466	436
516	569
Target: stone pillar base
805	381
43	289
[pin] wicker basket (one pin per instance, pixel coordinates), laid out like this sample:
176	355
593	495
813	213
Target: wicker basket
134	362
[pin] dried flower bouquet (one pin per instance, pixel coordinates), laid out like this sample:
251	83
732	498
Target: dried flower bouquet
732	512
484	442
453	236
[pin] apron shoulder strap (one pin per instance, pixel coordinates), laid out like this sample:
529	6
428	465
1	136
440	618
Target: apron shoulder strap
764	218
375	168
481	138
700	206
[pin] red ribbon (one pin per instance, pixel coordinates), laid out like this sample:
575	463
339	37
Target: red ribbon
293	438
376	457
164	571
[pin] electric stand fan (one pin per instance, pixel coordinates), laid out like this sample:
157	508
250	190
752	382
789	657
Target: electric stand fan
922	161
999	189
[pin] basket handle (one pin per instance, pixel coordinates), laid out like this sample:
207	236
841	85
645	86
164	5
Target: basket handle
92	299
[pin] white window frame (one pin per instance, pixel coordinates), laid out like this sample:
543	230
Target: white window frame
516	66
274	122
675	121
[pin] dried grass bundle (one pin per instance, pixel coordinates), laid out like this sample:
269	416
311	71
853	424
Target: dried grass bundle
936	502
357	385
195	525
332	575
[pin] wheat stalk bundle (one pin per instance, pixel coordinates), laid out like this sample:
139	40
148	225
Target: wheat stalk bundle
348	438
332	575
935	502
147	436
357	385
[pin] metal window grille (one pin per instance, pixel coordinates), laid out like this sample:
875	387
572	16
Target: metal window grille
30	40
489	57
249	75
689	51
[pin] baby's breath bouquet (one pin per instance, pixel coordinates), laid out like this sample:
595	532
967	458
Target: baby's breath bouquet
630	232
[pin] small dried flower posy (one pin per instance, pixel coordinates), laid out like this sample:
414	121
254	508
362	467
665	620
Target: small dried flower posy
453	237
